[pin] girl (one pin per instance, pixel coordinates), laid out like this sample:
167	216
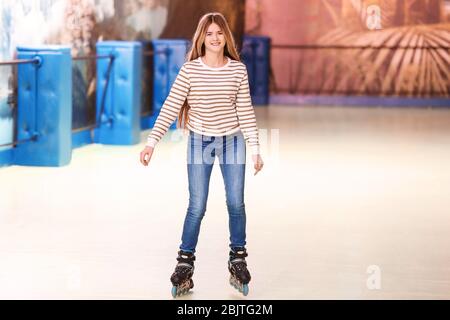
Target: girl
211	98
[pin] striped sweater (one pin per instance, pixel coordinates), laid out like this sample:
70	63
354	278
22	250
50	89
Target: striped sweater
219	100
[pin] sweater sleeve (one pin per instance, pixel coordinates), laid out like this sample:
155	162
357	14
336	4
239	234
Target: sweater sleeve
171	107
246	115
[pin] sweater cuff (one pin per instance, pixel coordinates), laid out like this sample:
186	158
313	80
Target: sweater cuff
255	149
151	142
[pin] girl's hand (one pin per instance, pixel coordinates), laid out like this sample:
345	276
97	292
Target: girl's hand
258	162
146	155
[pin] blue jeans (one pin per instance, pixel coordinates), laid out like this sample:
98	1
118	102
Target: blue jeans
201	153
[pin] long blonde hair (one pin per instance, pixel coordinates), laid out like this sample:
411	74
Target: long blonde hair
198	49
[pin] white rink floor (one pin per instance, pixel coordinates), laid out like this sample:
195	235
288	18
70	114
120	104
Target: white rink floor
346	192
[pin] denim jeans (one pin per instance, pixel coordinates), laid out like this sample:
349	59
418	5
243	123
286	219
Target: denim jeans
201	153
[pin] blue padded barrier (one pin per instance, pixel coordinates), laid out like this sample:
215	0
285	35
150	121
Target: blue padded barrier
168	58
81	138
119	123
256	56
6	157
6	133
44	107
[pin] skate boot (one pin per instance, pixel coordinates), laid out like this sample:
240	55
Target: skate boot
239	275
182	277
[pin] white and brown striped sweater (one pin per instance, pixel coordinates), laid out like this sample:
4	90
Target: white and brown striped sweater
219	100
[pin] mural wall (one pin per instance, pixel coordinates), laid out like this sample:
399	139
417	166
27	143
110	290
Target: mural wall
80	24
390	24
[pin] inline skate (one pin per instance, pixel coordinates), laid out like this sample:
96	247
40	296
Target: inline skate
182	276
239	274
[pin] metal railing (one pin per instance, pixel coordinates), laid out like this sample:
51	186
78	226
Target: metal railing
19	61
92	57
108	76
147	53
17	142
111	57
363	47
35	61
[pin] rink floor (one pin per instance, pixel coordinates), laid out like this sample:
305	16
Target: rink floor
353	203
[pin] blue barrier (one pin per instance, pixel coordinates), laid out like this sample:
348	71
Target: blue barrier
81	138
256	56
6	157
168	57
44	107
119	93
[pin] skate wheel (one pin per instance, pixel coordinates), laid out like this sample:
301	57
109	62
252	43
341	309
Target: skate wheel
174	291
245	289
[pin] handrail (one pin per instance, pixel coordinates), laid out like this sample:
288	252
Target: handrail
343	47
16	142
20	61
92	57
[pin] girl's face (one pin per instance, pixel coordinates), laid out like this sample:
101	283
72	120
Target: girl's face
215	39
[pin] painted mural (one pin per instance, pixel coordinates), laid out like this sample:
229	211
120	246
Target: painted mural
422	70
